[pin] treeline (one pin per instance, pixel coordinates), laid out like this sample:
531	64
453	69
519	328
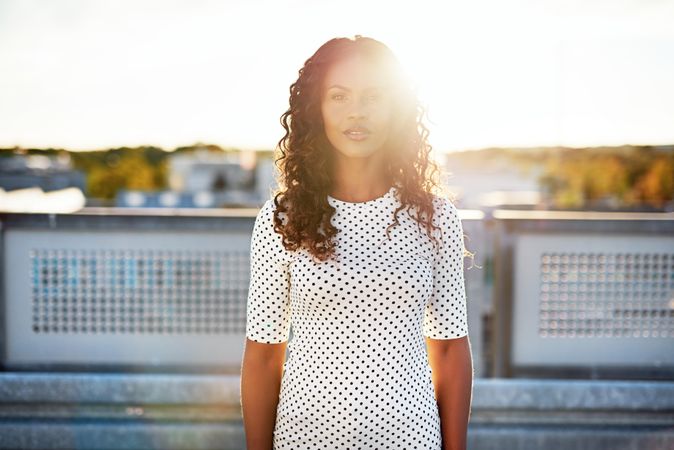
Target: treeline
142	168
108	171
625	178
628	177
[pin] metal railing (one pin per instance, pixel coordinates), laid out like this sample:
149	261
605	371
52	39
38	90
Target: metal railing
159	289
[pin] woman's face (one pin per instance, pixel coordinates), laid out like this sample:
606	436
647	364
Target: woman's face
356	105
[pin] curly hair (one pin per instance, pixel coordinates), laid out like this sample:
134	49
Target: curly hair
304	154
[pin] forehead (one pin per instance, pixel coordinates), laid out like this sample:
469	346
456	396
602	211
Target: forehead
357	72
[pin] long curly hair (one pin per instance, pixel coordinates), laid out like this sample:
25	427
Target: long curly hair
304	154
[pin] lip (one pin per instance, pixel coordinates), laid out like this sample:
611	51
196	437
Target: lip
359	129
357	133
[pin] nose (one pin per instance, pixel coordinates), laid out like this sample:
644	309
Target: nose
358	110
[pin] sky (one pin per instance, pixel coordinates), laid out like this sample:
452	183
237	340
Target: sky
94	74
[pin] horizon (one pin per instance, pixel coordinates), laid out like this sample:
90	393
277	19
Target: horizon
199	145
126	74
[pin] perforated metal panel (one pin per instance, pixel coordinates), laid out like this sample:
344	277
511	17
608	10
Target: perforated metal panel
606	294
593	299
137	291
133	296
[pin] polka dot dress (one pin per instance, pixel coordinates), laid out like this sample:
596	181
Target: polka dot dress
357	373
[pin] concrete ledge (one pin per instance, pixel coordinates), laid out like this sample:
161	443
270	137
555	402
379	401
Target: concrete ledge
566	438
488	393
195	436
190	411
507	393
19	387
121	436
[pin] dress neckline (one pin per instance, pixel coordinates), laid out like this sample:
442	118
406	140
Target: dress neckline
382	198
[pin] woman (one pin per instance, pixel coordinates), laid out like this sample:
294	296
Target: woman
380	356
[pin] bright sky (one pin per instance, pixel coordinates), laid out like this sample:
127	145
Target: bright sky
87	74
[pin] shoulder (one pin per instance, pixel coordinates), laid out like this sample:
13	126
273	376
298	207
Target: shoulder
445	209
446	219
264	232
266	213
264	221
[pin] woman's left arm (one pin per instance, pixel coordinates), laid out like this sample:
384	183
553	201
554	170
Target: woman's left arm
452	373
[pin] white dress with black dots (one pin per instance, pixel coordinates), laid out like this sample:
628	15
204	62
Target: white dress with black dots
357	373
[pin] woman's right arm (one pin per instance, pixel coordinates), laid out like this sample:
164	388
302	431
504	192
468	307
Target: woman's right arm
267	331
260	385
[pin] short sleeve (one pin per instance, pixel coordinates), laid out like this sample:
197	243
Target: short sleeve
445	315
268	302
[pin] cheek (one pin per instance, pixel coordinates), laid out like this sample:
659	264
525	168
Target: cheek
385	114
332	124
330	117
383	121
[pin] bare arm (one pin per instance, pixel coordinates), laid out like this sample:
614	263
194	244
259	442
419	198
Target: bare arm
261	372
452	372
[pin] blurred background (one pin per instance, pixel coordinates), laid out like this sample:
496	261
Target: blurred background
136	146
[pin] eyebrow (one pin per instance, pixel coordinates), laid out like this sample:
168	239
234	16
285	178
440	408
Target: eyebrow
347	89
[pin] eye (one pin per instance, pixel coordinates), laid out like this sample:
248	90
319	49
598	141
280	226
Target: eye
338	97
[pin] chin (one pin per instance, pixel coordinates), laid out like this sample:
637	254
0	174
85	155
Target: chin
358	151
